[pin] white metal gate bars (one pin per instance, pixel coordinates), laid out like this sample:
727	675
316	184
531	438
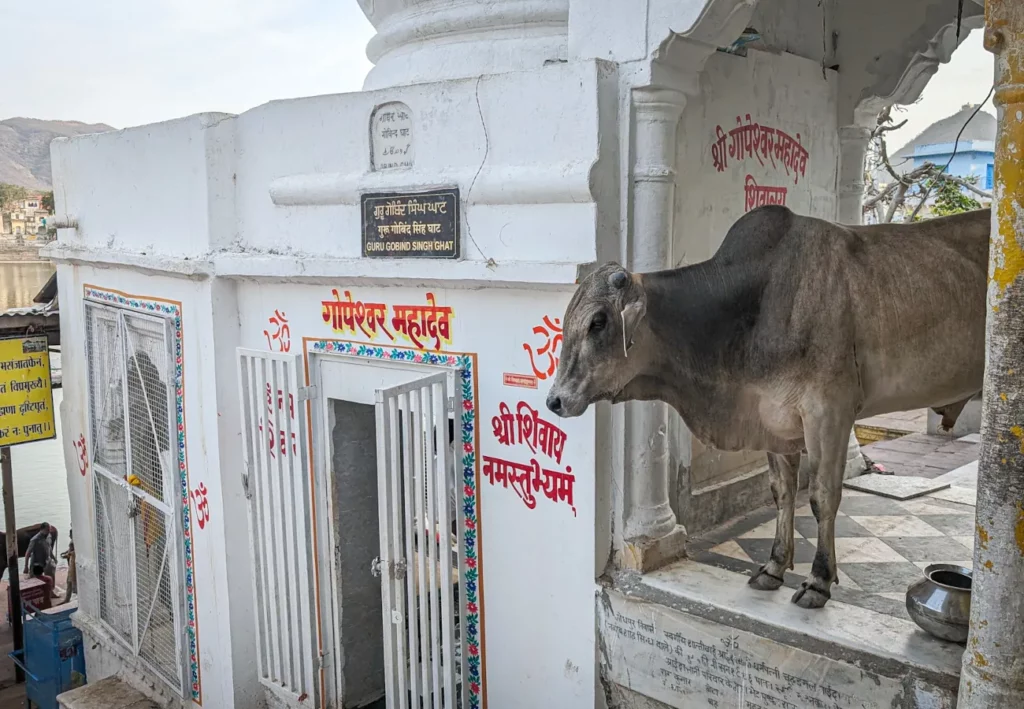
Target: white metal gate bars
423	661
277	485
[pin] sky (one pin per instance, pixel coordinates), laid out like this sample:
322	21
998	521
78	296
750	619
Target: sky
965	79
125	62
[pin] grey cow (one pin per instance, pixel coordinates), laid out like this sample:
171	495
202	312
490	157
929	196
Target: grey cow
795	328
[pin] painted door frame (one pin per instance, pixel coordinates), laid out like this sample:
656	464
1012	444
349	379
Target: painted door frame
326	376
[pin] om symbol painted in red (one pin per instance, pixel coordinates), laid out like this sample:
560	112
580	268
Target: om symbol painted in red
202	505
552	334
83	455
281	339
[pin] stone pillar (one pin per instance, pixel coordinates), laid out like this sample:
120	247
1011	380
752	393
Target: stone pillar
651	535
853	147
433	40
993	671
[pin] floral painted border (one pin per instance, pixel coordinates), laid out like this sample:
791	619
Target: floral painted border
473	579
172	311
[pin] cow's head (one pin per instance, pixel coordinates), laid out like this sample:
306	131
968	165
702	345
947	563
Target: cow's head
598	358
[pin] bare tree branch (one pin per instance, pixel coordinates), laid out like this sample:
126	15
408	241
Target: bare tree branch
897	201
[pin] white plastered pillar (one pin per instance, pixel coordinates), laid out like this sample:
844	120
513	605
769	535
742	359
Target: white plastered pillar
853	147
650	534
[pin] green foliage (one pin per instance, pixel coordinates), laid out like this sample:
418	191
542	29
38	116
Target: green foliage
48	201
9	194
951	198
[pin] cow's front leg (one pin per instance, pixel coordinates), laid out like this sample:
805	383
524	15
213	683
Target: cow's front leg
829	441
782	471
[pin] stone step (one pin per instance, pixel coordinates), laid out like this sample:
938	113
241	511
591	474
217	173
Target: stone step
109	693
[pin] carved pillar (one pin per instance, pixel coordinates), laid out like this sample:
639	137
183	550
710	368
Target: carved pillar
853	147
651	535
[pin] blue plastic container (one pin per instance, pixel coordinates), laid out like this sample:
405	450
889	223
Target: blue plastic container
53	658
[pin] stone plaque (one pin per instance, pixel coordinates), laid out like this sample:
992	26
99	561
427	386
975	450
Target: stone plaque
391	136
688	662
411	224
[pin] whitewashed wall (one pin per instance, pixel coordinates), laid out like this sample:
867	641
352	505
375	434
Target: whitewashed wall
225	652
537	564
780	91
202	209
522	161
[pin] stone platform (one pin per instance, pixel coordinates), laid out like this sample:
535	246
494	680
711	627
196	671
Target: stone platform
693	634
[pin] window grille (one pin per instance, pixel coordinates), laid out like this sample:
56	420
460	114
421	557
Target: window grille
137	501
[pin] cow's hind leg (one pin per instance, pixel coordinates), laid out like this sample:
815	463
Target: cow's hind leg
827	439
782	470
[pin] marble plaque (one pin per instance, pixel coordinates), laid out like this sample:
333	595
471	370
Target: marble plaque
391	136
688	662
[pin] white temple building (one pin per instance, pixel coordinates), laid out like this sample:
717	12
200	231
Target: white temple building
306	362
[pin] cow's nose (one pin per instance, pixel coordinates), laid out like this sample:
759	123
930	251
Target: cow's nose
555	404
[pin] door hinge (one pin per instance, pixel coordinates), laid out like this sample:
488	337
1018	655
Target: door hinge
451	404
245	486
307	393
396	569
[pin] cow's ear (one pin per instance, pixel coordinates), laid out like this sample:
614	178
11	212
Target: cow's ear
632	314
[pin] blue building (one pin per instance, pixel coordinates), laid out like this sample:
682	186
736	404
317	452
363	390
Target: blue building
973	157
935	144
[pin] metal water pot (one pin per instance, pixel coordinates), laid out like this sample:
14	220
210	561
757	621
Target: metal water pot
941	602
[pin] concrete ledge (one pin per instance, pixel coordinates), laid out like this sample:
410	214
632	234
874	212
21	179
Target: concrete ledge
107	657
274	267
541	275
110	693
874	642
61	252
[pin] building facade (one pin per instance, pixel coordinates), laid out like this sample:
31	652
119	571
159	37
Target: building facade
26	218
276	444
972	159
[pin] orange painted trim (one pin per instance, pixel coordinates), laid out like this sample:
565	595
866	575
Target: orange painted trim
476	471
196	691
316	536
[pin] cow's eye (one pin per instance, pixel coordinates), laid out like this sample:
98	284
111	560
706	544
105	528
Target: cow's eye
599	322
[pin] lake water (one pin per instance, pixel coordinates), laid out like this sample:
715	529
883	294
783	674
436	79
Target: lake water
40	485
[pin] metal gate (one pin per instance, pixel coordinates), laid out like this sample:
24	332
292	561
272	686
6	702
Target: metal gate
423	657
135	491
277	484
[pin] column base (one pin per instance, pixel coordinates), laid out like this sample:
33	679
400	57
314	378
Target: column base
646	555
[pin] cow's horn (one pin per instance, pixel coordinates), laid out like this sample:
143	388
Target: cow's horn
618	279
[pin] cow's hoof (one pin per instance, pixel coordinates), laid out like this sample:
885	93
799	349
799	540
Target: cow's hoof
810	597
762	580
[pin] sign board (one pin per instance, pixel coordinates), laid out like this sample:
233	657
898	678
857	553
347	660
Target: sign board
411	224
26	396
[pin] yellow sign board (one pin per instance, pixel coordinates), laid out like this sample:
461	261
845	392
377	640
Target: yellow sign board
26	396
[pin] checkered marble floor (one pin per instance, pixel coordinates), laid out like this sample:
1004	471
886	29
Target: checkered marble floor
882	545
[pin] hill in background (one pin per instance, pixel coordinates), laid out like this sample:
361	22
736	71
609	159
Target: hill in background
25	148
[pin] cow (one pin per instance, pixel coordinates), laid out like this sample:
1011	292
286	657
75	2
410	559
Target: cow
794	329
